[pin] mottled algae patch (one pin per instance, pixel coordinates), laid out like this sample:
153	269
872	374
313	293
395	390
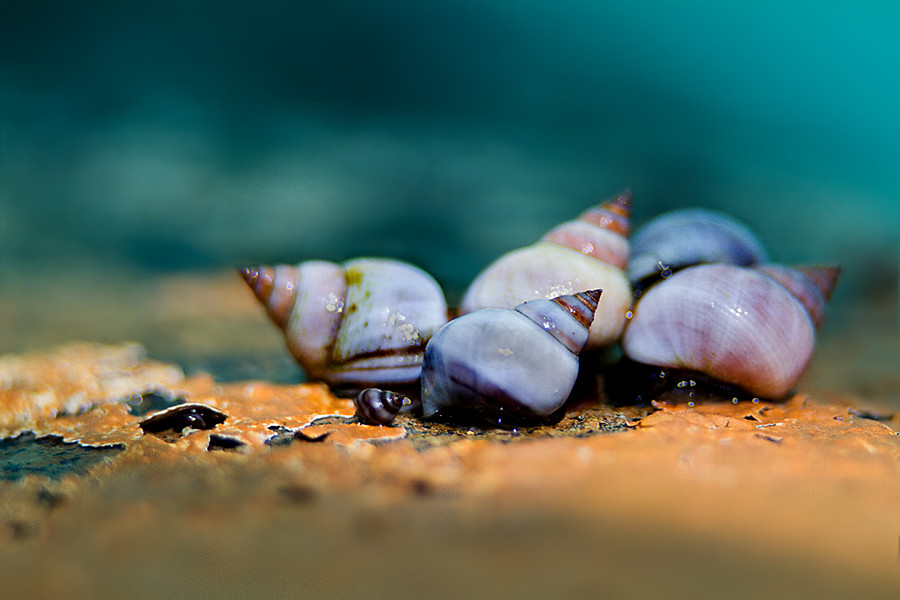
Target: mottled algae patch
121	474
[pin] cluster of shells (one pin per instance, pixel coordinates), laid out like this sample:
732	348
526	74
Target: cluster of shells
692	290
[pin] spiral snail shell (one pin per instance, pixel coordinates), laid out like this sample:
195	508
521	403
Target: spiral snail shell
691	236
361	323
508	366
751	327
587	253
379	407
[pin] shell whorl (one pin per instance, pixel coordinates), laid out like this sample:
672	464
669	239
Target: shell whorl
567	318
824	277
275	287
378	407
600	232
614	214
812	285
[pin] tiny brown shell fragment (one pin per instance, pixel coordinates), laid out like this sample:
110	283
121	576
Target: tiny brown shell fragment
378	407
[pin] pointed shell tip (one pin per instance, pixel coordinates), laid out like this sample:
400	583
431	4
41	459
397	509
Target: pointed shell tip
624	199
250	274
594	294
591	299
824	277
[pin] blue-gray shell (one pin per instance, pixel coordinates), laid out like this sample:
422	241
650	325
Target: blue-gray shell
506	365
692	236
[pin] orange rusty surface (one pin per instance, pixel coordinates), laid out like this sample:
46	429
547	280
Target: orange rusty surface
79	392
73	378
801	483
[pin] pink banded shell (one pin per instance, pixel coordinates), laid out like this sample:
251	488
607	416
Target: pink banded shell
587	253
600	232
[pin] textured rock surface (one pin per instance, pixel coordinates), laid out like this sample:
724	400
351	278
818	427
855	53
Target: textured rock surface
706	496
287	496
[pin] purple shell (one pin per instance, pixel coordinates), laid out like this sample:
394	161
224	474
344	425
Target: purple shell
508	365
738	325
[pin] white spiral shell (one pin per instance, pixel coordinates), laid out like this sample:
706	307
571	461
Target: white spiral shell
589	252
365	322
508	365
739	325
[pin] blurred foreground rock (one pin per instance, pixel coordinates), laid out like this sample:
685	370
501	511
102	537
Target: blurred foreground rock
118	473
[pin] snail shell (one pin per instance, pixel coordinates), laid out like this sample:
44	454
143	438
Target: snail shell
750	327
508	365
361	323
685	237
588	253
379	407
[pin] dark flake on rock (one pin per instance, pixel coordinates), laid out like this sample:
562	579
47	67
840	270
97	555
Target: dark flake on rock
221	442
169	424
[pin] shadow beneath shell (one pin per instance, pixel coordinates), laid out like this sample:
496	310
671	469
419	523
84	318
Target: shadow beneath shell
628	383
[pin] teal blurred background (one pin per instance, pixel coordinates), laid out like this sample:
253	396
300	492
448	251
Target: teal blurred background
197	135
